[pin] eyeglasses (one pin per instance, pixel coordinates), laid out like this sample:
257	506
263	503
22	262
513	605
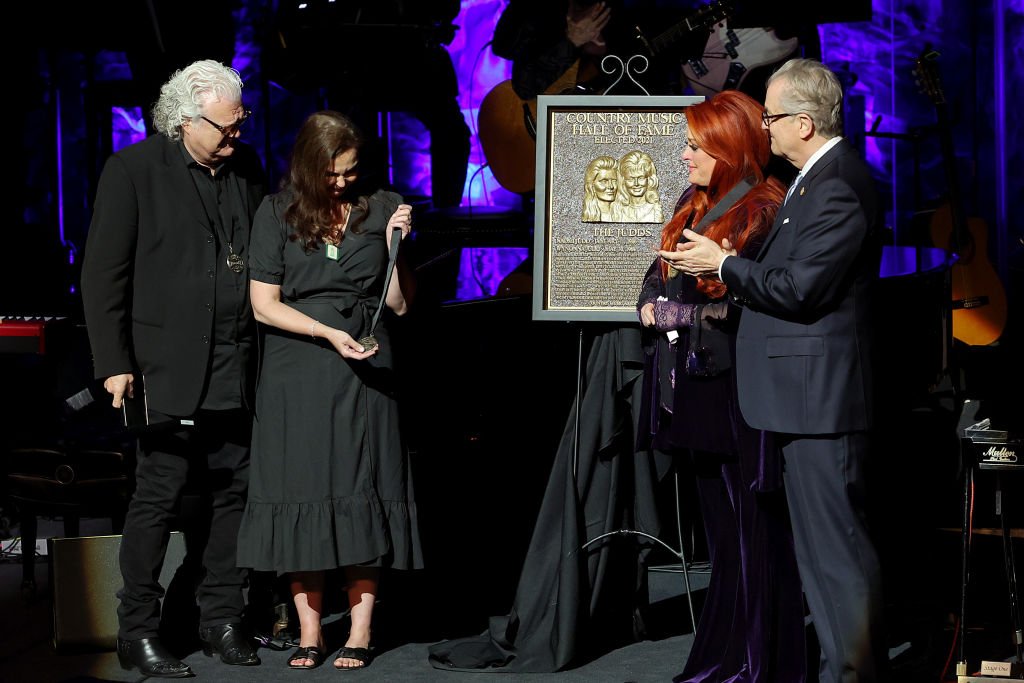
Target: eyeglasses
228	131
769	119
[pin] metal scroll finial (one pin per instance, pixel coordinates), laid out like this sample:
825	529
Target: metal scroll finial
626	69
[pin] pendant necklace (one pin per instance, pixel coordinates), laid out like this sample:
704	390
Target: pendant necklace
334	240
234	261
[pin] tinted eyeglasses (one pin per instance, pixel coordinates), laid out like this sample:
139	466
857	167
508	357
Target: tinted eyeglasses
769	119
228	131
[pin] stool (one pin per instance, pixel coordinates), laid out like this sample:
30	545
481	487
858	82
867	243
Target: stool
67	484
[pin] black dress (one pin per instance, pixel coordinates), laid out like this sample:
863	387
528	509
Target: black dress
751	627
329	483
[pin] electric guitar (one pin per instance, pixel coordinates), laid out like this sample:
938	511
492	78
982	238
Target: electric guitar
507	124
979	300
730	56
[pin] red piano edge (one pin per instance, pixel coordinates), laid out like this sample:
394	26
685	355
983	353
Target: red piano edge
15	328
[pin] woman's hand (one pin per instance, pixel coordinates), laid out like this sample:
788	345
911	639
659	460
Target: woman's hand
347	346
401	219
647	314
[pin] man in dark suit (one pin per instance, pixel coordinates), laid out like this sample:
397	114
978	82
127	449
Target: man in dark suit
165	292
803	356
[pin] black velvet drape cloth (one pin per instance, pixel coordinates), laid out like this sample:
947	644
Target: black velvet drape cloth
573	603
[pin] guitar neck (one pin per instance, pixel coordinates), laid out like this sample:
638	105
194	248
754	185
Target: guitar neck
961	233
703	19
665	40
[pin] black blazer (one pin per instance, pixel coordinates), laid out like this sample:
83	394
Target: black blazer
803	349
147	277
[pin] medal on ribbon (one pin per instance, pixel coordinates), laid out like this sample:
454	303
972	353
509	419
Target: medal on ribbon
369	342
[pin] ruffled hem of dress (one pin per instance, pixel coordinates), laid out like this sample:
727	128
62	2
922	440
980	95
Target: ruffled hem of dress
315	536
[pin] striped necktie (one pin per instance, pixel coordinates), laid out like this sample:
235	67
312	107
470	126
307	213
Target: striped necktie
789	193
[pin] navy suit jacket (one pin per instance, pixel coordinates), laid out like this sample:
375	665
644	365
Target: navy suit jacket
147	278
803	349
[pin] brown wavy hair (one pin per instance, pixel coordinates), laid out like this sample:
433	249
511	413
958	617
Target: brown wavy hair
728	128
322	136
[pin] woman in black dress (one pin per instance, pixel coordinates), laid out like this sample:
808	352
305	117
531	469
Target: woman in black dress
329	485
751	627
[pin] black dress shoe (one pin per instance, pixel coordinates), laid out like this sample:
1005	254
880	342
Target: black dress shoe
151	658
230	642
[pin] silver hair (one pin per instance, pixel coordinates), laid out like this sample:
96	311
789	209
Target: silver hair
811	87
183	97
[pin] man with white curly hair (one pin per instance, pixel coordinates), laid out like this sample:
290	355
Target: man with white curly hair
165	292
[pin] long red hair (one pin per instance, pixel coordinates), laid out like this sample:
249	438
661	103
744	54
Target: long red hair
728	128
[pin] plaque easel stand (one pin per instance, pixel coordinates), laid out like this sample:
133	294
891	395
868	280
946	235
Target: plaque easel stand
627	69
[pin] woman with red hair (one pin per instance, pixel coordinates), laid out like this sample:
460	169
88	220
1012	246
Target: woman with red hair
751	626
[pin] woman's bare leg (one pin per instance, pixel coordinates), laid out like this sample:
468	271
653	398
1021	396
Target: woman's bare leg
308	594
362	593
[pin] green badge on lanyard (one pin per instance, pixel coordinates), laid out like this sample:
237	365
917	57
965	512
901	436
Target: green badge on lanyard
332	252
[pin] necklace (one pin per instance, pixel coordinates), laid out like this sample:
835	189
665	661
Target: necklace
343	211
234	261
333	237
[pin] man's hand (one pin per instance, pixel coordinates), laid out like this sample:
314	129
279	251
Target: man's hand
699	256
120	386
587	27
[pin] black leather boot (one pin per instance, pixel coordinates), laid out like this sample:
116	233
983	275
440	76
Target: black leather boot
151	658
231	642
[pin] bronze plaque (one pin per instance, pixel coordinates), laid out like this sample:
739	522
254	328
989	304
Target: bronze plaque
609	173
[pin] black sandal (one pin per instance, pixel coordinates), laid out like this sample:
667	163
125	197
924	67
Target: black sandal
360	654
312	652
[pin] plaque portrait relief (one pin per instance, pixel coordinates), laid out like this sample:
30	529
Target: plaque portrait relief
601	191
609	173
622	191
638	189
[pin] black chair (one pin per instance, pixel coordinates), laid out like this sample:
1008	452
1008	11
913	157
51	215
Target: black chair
66	483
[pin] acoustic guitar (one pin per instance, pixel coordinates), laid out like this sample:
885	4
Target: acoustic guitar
507	124
979	300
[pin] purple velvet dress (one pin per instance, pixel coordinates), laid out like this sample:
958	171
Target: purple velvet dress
752	623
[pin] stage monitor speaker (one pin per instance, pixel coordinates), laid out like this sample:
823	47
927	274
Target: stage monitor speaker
85	578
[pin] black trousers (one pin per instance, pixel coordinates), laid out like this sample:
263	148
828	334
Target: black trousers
214	454
839	567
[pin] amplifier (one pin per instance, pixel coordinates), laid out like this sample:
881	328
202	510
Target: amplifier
85	578
995	449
